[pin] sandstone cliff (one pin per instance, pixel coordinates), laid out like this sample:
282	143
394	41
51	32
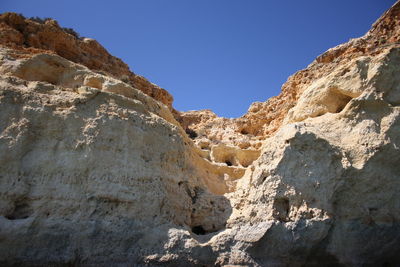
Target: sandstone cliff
34	36
97	171
263	119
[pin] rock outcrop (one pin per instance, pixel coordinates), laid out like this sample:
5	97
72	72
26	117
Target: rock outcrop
263	119
33	36
94	172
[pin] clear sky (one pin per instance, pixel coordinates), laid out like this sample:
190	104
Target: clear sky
213	54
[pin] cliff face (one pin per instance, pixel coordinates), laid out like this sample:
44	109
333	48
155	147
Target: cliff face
96	172
263	119
34	36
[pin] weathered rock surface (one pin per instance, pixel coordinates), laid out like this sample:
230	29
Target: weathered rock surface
95	173
263	119
85	156
33	36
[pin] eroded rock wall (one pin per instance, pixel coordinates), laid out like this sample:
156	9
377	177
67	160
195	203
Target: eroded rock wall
95	172
86	161
32	36
263	119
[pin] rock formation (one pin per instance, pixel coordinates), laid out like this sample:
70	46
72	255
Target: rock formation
34	36
98	169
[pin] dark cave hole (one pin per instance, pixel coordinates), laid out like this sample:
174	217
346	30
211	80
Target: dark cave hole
228	163
191	133
198	230
244	132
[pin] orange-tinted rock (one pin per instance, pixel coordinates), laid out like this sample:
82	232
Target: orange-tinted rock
32	37
263	119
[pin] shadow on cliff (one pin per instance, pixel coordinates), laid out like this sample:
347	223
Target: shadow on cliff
94	187
348	216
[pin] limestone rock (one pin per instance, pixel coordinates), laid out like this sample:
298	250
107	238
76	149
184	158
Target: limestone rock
78	158
30	36
263	119
96	173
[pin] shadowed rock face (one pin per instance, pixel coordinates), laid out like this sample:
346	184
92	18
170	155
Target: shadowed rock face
94	172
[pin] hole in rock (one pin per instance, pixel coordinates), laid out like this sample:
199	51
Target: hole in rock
21	211
204	145
336	100
191	133
244	131
198	230
281	209
343	103
228	162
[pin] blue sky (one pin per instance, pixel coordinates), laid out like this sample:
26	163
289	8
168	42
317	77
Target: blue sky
213	54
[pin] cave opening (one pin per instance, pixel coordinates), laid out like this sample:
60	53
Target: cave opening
198	230
228	162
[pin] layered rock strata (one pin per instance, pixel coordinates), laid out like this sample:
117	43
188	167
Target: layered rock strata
34	36
263	119
96	173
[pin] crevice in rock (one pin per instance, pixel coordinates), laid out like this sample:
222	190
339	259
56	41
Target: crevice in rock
281	209
22	210
196	192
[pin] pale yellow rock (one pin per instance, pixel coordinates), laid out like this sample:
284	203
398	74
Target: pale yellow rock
333	92
81	147
233	156
93	172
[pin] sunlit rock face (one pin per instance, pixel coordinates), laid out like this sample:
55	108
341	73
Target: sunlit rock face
97	172
34	36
